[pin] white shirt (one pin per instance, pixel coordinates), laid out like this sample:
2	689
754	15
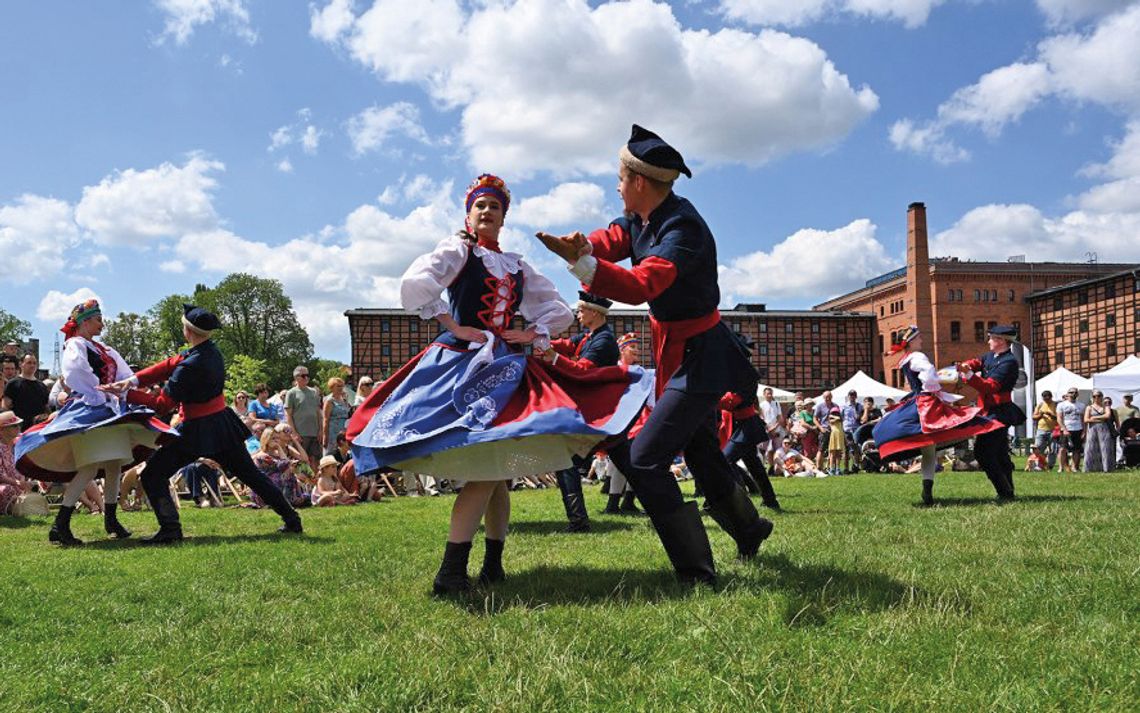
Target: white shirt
770	411
425	280
1072	415
81	378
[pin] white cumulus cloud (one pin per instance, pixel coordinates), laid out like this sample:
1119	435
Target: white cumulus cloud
728	96
370	129
35	234
56	306
912	13
1061	12
574	203
184	16
176	267
134	207
810	263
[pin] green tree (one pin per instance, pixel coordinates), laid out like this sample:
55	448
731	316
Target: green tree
134	336
243	373
166	320
258	321
325	369
12	327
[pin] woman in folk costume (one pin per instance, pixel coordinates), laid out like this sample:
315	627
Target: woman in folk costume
94	431
473	406
926	419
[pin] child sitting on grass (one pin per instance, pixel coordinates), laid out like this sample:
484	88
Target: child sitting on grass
329	491
1036	461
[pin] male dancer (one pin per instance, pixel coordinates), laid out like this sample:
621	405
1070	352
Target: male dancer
698	358
596	346
993	377
194	381
740	414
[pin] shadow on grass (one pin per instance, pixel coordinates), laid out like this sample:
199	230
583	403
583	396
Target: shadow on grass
206	541
18	522
546	586
973	502
554	527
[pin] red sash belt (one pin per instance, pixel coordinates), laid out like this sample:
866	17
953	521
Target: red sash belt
742	413
995	398
206	408
669	342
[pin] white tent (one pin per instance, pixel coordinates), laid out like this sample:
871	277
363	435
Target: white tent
1060	381
778	394
866	386
1124	378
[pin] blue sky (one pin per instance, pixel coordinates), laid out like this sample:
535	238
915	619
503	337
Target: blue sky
148	147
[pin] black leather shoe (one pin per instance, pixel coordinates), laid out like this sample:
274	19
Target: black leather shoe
737	516
683	535
166	535
294	528
60	531
452	576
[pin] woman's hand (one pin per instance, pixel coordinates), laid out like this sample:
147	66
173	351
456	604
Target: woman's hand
469	334
116	388
519	336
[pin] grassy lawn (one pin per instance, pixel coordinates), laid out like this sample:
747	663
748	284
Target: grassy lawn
860	600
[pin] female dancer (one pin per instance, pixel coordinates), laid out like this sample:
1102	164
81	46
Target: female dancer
472	406
93	432
925	419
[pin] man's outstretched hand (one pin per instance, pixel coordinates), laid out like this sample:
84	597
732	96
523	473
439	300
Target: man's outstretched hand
568	247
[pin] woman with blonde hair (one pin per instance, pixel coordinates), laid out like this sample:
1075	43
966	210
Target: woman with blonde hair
337	409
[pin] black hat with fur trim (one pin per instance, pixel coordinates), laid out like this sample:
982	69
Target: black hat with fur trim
648	154
199	320
588	300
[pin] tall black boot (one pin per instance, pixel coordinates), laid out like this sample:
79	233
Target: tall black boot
61	529
683	535
745	480
492	570
737	516
111	522
452	575
628	506
169	527
612	505
576	513
767	492
928	492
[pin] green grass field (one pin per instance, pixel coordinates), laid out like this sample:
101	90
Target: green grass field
859	601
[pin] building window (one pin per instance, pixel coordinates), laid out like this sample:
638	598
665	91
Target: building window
991	324
762	372
1110	291
993	296
959	293
1110	349
977	295
1017	328
841	328
1084	354
763	327
736	327
385	325
763	350
816	373
413	350
1083	326
841	349
1058	304
1083	297
882	311
815	350
979	331
815	327
789	328
1012	296
950	295
955	331
414	326
882	350
1110	320
790	349
386	350
790	374
1058	330
1059	358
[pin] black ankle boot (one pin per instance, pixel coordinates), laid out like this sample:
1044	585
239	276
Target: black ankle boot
612	505
169	526
628	506
61	529
452	575
111	522
737	516
928	492
492	570
683	535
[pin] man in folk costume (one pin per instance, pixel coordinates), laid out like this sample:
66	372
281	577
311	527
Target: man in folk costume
742	432
596	346
698	358
994	376
194	384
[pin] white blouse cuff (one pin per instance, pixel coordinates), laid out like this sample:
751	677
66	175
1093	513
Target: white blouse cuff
432	309
584	269
542	341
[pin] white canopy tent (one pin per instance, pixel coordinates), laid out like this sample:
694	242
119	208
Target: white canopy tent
1061	380
1124	378
865	386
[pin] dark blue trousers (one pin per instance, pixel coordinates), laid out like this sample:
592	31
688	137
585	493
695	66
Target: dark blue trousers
992	451
679	423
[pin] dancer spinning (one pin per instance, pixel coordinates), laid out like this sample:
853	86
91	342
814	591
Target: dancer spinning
698	358
926	419
194	382
473	406
94	432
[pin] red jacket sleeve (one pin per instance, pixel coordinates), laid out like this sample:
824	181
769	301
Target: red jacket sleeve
162	404
563	346
577	365
158	372
973	364
610	243
984	386
729	401
636	286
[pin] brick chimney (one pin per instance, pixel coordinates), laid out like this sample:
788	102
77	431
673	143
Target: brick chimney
918	277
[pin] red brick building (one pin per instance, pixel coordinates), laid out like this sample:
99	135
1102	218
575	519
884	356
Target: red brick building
954	300
1087	326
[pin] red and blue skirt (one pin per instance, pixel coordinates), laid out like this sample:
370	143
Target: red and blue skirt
491	413
923	419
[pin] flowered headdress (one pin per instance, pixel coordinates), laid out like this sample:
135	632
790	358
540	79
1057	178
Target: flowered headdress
488	184
80	314
905	338
628	339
